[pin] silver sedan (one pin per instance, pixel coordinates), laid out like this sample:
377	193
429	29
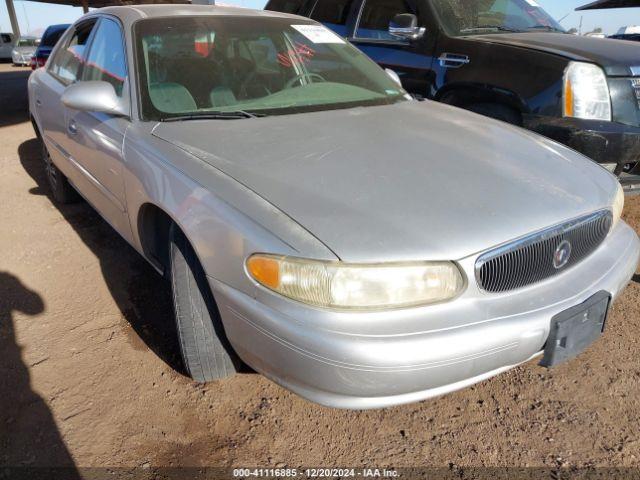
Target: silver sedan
23	50
358	247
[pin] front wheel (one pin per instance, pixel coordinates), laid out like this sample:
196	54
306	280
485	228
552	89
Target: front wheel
206	352
497	111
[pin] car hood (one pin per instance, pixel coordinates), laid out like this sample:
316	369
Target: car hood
416	180
614	56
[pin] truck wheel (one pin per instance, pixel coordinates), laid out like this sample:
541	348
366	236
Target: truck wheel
61	189
497	111
206	352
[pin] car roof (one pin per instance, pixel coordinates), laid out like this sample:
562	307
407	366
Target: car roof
131	13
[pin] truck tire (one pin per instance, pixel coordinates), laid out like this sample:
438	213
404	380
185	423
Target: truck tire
206	352
497	111
61	189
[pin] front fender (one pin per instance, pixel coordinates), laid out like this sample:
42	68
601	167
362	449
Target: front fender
224	221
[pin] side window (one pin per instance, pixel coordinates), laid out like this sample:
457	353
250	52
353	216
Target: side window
5	38
67	64
285	6
332	13
375	18
106	60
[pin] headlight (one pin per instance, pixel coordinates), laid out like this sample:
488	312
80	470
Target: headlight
355	286
586	92
618	205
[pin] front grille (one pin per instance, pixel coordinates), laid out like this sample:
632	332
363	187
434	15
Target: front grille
636	88
542	255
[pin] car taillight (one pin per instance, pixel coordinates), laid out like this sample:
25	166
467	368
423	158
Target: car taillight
37	62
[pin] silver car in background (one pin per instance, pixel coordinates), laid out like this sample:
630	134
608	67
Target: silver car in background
356	246
23	50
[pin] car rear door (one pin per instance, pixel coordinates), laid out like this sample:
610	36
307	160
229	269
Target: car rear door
96	138
62	71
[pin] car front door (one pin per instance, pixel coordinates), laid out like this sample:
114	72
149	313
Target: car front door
96	138
411	60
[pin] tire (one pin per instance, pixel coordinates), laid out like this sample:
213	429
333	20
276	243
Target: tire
61	189
206	352
497	111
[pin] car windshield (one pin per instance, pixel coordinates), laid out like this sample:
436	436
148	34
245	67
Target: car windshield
475	17
26	42
191	66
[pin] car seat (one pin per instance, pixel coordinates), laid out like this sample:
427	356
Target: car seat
171	98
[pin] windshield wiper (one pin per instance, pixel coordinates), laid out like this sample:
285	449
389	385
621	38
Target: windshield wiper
231	115
549	28
489	27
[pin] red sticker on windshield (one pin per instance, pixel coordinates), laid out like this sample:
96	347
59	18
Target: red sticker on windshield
301	53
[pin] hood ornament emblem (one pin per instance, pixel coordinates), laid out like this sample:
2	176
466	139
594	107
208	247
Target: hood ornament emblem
562	254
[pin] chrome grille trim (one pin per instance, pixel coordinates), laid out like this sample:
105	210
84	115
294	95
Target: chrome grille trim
530	259
636	88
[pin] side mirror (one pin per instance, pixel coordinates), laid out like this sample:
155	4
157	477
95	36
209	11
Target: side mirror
405	27
94	96
394	76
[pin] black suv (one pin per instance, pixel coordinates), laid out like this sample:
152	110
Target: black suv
506	59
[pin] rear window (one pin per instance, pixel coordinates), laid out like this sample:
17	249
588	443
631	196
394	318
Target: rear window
51	37
26	42
285	6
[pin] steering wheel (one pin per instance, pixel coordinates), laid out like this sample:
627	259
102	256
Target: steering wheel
249	80
297	78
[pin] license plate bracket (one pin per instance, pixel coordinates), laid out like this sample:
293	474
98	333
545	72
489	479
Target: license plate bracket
573	330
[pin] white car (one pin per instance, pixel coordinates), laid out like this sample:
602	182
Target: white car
7	41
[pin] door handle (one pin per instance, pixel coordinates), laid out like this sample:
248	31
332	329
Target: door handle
72	127
453	60
38	103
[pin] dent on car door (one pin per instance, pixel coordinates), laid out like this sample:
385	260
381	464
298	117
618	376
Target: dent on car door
96	138
410	59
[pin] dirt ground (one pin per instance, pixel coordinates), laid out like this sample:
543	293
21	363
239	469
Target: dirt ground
90	372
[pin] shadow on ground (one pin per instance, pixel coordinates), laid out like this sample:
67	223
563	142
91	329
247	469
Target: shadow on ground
32	438
142	295
636	278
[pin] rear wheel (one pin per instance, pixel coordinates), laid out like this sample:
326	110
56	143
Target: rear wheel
61	189
206	352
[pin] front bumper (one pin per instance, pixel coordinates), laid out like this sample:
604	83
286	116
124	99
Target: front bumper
604	142
21	59
373	360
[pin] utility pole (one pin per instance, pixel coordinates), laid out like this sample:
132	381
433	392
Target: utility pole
14	20
580	27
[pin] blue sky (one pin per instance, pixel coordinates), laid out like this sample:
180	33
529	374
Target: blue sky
33	15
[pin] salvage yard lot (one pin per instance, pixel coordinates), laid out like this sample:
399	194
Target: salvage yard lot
91	371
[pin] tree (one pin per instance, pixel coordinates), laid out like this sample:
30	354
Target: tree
573	31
